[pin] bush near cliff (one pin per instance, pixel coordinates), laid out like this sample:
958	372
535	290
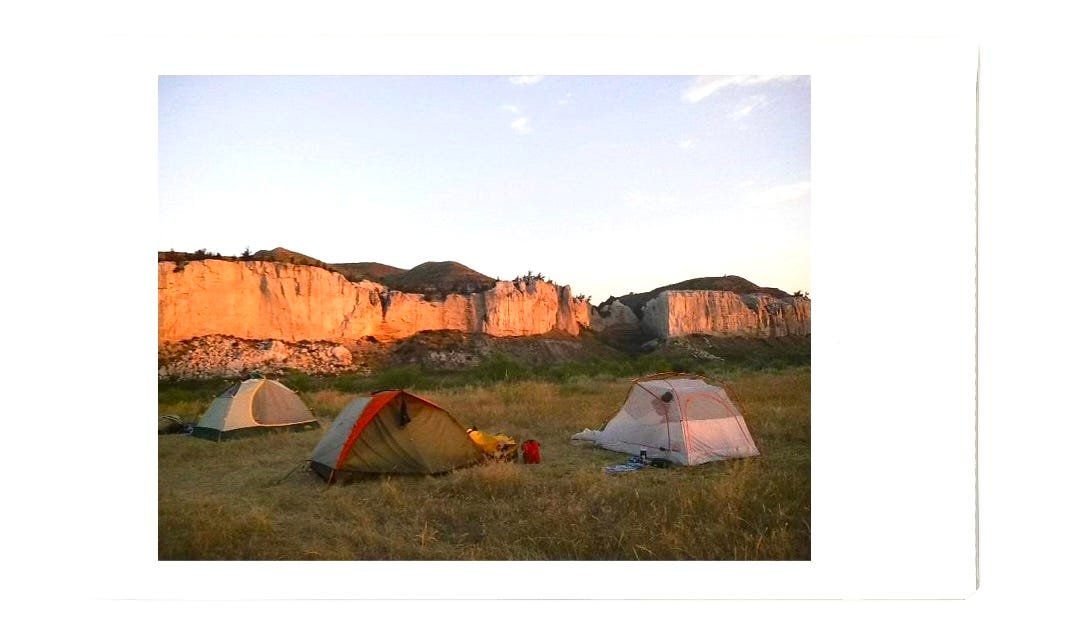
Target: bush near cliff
704	355
734	352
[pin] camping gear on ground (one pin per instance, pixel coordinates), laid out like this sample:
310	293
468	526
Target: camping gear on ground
393	431
530	451
680	418
499	447
632	464
623	467
635	463
171	424
252	407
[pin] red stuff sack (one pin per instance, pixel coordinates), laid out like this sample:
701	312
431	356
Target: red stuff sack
530	451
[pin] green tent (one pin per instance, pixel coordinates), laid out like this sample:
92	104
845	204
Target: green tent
395	432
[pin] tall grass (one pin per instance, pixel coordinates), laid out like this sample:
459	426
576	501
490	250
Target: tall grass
235	500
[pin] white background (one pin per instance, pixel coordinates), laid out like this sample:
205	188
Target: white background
895	303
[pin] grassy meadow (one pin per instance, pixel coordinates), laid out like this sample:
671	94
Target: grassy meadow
252	499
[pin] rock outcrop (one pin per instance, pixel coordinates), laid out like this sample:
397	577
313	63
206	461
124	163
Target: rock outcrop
300	314
614	316
267	300
681	313
226	356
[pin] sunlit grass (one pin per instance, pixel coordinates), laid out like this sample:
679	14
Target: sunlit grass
235	499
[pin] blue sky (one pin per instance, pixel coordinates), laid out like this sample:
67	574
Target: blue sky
610	184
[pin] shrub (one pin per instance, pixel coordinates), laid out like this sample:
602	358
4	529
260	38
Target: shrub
299	381
405	377
501	367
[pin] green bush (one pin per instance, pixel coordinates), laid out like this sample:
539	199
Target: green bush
405	377
501	367
299	382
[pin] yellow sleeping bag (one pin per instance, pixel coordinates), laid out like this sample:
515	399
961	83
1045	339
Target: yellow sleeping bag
496	446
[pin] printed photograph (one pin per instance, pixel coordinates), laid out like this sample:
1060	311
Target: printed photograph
484	318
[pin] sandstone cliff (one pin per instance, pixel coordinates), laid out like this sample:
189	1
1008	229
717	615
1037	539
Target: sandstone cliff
269	300
262	300
614	316
680	313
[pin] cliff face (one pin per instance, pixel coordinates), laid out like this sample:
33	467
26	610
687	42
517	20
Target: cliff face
260	300
679	313
267	300
614	316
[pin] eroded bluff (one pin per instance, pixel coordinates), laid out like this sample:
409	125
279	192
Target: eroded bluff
268	300
262	300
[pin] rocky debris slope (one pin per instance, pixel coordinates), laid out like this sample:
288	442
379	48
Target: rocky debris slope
226	356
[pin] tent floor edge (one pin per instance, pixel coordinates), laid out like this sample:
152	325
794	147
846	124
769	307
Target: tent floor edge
206	433
213	434
325	472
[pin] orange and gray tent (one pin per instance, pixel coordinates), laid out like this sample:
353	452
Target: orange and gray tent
678	417
393	431
254	406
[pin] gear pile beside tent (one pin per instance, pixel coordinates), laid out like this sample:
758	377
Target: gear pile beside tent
680	418
498	447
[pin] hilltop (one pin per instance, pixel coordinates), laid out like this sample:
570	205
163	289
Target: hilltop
437	279
729	283
376	272
277	255
430	278
441	278
281	255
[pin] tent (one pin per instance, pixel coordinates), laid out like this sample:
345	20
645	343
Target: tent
681	418
254	406
393	431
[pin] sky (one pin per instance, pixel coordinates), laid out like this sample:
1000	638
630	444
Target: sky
610	184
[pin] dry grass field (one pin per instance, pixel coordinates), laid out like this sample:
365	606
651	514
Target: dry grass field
250	499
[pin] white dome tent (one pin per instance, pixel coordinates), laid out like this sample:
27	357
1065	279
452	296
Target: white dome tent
681	418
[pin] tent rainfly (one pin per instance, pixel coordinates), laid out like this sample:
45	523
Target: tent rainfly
393	431
678	417
251	407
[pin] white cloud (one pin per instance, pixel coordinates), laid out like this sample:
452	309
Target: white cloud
521	125
513	109
566	100
685	144
704	86
525	80
745	108
778	195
